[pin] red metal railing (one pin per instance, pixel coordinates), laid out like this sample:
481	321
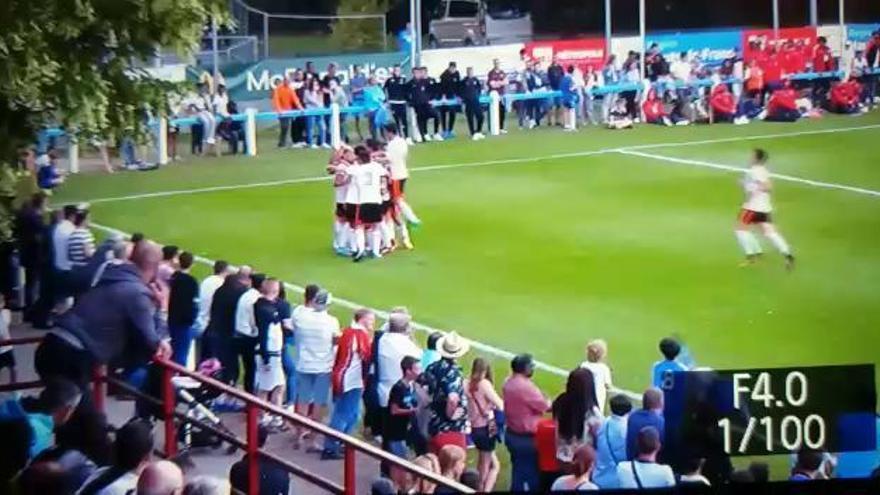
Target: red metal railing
253	407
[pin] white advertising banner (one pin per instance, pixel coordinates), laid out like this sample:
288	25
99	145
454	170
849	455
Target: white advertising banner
478	57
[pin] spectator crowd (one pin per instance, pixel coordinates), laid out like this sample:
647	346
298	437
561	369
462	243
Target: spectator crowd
126	301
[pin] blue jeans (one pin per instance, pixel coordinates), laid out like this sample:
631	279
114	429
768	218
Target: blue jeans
523	462
181	341
127	150
289	371
346	413
315	126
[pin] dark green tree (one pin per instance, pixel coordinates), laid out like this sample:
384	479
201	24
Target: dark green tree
359	34
72	63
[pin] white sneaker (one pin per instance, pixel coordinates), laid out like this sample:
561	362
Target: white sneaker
314	146
299	144
683	122
475	137
480	135
409	141
427	137
326	146
438	137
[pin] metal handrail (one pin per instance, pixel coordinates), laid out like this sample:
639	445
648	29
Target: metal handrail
253	406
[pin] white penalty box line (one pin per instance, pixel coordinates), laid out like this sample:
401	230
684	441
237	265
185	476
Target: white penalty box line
557	156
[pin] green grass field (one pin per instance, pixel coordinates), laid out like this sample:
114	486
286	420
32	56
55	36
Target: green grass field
532	252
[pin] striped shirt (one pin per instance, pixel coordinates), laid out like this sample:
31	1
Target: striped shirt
80	246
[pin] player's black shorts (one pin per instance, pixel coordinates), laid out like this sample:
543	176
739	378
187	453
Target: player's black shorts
749	217
7	360
387	206
350	212
370	213
340	210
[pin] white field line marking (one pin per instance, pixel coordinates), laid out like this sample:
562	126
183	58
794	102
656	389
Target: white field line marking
731	168
752	138
508	161
345	303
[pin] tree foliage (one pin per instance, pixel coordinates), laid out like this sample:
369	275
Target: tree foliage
72	63
361	34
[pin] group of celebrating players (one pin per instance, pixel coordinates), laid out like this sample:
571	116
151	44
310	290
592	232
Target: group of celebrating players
372	215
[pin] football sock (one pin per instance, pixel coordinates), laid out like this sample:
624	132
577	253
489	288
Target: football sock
407	211
387	232
350	238
756	244
779	242
338	234
403	232
360	240
376	240
746	241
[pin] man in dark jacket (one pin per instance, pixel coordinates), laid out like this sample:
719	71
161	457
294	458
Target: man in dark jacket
183	306
116	322
30	232
470	91
449	87
221	329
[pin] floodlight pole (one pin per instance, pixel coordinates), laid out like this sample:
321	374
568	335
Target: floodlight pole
814	12
607	28
642	36
415	24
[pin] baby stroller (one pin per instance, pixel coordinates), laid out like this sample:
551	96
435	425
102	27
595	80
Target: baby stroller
195	396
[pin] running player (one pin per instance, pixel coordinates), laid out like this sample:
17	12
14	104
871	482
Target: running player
397	152
367	178
757	211
341	158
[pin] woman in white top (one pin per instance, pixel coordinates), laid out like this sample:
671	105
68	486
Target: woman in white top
582	469
597	350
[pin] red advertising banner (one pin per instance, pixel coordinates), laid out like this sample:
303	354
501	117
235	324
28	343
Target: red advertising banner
794	43
579	52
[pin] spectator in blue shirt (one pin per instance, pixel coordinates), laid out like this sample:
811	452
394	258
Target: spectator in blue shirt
570	98
52	408
651	414
48	175
663	370
611	443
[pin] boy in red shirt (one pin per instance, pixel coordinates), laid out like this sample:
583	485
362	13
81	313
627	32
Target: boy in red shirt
723	104
654	111
845	97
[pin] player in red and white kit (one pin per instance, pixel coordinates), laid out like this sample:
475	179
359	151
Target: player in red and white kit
756	211
397	152
386	228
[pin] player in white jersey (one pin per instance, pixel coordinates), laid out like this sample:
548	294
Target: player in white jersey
757	210
397	152
342	229
367	178
386	227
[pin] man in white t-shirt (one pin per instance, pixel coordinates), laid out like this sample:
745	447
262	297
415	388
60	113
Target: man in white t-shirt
315	332
397	152
756	210
206	293
643	471
60	237
246	333
394	345
367	179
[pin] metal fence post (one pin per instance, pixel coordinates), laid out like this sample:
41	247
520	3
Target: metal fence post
99	387
250	131
414	132
168	407
495	113
162	141
335	127
349	475
73	155
253	454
